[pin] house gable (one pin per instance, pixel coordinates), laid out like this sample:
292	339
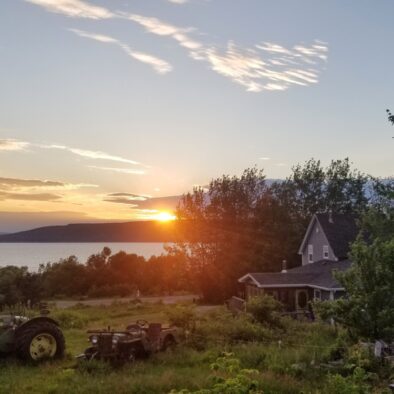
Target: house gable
315	245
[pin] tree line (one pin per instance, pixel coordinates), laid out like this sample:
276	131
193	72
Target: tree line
246	224
238	224
102	275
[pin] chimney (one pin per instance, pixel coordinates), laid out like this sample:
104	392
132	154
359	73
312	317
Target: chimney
330	218
284	266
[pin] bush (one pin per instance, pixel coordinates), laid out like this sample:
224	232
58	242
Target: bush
353	384
221	327
70	319
229	377
182	316
265	310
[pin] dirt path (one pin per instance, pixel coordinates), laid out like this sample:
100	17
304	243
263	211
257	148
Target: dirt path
62	304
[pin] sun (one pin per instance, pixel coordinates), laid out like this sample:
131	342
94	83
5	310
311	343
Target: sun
165	217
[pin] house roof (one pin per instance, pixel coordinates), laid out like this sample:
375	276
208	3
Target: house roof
318	275
340	229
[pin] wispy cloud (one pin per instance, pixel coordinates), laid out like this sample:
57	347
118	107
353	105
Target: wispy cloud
121	200
125	198
98	155
130	196
74	8
82	9
277	68
160	28
16	145
265	158
29	196
178	1
16	184
160	203
13	182
159	65
12	145
263	67
266	66
131	171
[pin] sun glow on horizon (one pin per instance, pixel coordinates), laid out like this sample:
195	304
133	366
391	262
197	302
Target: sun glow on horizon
165	217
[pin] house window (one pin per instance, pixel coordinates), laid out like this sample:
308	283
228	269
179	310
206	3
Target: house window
325	251
317	294
310	253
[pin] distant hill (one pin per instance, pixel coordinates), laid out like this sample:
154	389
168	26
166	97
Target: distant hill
142	231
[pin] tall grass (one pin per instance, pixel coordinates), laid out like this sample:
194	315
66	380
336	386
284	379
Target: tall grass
288	359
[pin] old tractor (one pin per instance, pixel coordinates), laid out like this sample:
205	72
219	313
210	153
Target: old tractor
33	339
138	340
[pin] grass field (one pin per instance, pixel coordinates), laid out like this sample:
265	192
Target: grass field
287	360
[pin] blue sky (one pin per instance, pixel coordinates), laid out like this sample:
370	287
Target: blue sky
149	97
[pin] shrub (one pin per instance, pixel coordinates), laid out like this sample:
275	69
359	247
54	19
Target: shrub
265	310
353	384
70	319
221	327
228	377
182	316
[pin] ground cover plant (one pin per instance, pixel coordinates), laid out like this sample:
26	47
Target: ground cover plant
218	350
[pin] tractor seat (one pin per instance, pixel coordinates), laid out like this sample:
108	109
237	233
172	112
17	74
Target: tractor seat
133	327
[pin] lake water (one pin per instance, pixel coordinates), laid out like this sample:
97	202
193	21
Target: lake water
33	254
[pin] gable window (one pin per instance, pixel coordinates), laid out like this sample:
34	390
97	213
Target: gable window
325	251
310	253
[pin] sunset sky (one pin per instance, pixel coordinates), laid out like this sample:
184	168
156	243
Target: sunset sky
108	106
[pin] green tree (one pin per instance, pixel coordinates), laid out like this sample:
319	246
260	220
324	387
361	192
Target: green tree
18	286
217	231
242	224
368	309
312	188
66	277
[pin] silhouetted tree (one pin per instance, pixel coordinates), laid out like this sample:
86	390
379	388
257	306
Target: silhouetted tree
240	224
390	116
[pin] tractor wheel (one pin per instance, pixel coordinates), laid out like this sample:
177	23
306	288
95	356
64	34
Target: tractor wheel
168	343
39	341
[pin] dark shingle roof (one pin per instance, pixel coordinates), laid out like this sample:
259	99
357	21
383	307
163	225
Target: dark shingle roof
341	231
318	274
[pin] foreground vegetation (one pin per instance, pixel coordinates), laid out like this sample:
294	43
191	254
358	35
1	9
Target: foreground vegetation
219	353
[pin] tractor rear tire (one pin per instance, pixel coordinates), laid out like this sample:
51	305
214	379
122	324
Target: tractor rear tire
168	343
39	341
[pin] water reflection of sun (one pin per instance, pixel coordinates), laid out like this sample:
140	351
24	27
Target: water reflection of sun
165	217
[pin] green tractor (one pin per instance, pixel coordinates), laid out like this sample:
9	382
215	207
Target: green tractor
36	339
